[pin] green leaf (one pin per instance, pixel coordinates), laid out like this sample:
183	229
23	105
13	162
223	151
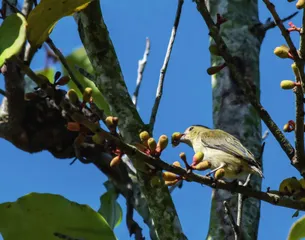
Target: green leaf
297	230
12	36
110	209
46	14
43	216
30	84
79	58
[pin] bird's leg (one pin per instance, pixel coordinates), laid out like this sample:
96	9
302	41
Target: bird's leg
214	170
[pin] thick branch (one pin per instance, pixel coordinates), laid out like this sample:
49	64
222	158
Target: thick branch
164	67
109	80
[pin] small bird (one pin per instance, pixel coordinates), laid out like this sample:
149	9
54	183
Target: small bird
222	151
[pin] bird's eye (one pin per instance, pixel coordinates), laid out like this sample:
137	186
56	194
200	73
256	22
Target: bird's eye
191	128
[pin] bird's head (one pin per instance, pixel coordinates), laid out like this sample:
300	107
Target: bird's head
192	133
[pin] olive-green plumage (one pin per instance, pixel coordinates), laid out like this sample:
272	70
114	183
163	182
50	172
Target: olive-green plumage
222	150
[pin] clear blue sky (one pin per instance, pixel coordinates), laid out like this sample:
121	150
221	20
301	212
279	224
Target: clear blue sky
129	23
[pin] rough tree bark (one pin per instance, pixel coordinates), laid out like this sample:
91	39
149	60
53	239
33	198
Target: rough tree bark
232	112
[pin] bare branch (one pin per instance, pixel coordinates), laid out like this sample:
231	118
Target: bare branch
271	24
164	67
240	203
234	226
141	66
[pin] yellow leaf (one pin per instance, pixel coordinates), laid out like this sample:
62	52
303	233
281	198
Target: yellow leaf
12	36
43	18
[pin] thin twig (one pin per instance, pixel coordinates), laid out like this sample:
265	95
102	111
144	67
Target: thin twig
234	226
299	138
265	135
64	63
302	37
164	67
141	66
240	203
271	24
245	86
2	92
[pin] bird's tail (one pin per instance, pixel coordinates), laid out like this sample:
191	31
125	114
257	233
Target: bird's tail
257	170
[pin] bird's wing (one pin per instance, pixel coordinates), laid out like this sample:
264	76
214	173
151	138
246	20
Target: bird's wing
220	140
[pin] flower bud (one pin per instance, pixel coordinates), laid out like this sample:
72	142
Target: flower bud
115	161
151	142
300	4
162	143
214	50
289	186
73	126
87	94
282	51
63	81
144	136
204	165
169	176
295	69
176	138
197	158
111	121
171	183
219	173
177	164
72	95
286	128
182	156
287	84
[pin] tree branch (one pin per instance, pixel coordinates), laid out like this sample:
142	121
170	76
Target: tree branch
164	67
271	24
229	213
109	81
299	159
141	66
245	86
158	164
302	38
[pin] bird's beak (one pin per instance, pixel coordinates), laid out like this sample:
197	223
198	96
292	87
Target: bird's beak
182	137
